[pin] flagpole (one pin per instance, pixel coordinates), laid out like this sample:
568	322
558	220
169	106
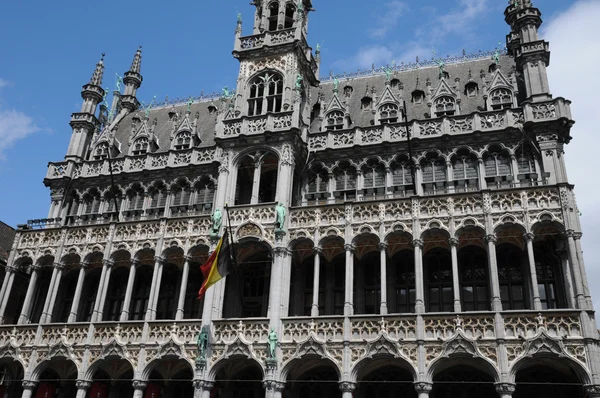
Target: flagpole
232	252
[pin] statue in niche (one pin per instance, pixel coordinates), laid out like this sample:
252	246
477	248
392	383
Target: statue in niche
202	342
217	220
280	210
272	344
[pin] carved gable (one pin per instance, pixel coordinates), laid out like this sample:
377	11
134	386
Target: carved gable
443	89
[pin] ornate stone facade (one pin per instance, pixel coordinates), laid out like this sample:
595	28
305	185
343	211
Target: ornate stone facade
456	258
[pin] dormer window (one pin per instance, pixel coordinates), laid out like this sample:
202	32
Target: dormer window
445	75
472	90
348	91
417	97
273	15
266	94
101	151
365	103
212	110
290	16
444	106
388	113
140	146
501	98
335	120
183	140
395	83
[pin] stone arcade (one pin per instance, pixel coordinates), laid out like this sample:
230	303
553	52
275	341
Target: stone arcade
356	277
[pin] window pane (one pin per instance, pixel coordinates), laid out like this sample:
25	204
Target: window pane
517	292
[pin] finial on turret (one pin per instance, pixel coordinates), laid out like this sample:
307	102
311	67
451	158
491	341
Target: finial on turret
136	65
96	79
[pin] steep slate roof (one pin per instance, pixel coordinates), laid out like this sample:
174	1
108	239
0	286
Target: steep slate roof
7	236
408	79
164	125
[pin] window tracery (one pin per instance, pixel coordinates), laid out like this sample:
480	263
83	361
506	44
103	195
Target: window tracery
335	120
266	94
501	98
318	181
345	182
497	166
464	167
101	151
444	106
434	174
135	201
183	140
388	113
205	193
374	177
140	146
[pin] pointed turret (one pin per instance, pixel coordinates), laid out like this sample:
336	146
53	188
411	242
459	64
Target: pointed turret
132	80
532	55
85	122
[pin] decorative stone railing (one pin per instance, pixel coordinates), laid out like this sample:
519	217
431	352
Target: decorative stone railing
452	125
561	324
395	327
323	328
250	330
443	327
255	125
262	214
266	39
151	161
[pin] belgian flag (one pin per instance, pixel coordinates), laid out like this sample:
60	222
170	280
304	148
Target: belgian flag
218	265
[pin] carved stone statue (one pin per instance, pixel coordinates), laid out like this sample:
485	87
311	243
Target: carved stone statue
226	92
280	210
239	18
217	220
119	81
299	80
202	343
318	51
272	343
336	83
189	104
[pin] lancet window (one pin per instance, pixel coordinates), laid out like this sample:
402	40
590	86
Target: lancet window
318	183
464	168
205	194
438	268
158	199
497	168
501	98
91	203
345	182
100	151
183	140
388	113
257	179
335	120
266	94
434	174
140	146
135	201
273	16
511	277
290	16
445	106
473	266
182	193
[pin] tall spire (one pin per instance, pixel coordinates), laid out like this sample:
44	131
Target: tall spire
96	79
136	65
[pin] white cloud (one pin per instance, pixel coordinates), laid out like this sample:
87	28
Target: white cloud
573	74
392	12
14	125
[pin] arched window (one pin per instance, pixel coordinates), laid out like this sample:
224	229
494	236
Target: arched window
434	174
374	178
245	178
501	98
273	15
91	204
510	274
141	292
497	168
318	183
267	189
402	273
438	271
88	295
444	106
365	103
290	16
472	90
135	201
402	180
183	140
205	194
417	97
549	276
472	269
464	168
345	182
115	295
367	284
67	288
101	151
527	173
266	93
158	199
167	296
140	146
182	193
388	113
112	203
335	120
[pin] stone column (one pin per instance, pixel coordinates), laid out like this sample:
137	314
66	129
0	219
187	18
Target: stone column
49	294
183	288
77	295
584	280
28	387
383	264
496	302
481	168
130	283
102	289
537	303
7	289
138	388
347	388
275	289
202	388
572	253
349	292
314	311
155	289
455	276
256	182
82	388
26	310
423	389
60	269
419	282
505	390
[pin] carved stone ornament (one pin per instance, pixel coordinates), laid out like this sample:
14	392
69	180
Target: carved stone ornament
347	386
311	347
60	350
83	384
238	348
203	385
423	387
382	345
593	391
505	388
543	343
460	344
139	385
29	384
114	349
170	349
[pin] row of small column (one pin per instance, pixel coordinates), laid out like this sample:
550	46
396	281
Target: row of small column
574	255
107	268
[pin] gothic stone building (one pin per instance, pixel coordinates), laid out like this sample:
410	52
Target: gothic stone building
464	278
